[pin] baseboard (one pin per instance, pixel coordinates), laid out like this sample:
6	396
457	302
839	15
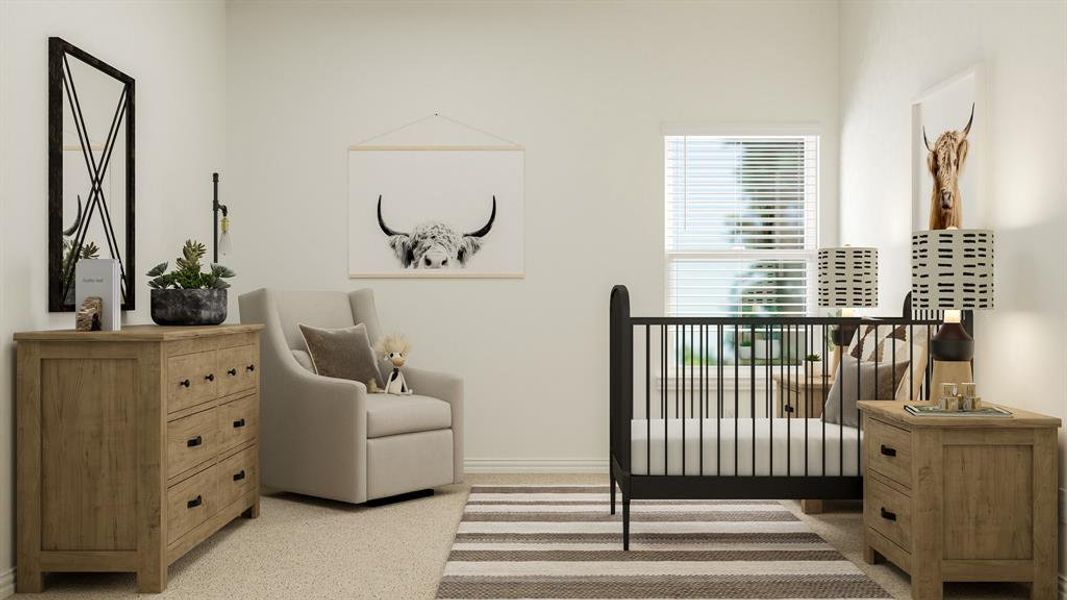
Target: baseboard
547	465
7	583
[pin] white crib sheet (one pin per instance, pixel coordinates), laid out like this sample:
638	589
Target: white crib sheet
841	443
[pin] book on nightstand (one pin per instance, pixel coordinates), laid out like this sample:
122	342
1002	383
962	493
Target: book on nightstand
936	411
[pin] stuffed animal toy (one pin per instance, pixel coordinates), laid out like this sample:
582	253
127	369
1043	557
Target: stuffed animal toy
395	349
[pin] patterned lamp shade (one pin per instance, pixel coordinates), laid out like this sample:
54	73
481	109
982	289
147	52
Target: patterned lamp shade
848	277
952	269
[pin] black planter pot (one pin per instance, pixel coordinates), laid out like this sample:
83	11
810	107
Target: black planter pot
188	307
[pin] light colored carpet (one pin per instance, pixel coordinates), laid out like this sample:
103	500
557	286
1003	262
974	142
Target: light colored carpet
306	548
560	541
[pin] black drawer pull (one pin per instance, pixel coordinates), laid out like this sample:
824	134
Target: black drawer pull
198	440
195	502
210	377
185	383
239	476
250	368
887	451
239	423
888	516
232	372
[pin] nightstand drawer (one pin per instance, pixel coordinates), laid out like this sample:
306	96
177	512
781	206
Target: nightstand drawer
190	441
887	511
888	450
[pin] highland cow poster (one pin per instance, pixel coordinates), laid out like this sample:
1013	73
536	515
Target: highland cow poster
948	142
435	211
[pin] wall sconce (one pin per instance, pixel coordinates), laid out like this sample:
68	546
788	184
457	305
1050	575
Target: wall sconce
223	243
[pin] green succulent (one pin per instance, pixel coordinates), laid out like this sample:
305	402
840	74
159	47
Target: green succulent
189	274
70	256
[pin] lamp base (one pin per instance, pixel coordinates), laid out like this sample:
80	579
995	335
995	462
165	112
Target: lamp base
947	371
952	343
842	335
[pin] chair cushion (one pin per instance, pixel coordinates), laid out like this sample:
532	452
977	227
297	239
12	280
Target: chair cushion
390	414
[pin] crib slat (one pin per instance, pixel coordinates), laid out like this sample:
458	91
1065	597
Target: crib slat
648	398
752	394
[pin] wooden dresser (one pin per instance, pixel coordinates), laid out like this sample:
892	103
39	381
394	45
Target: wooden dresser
133	446
961	498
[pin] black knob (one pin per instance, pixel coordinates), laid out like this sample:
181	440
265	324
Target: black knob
198	440
250	368
185	383
210	377
239	476
232	372
888	516
195	502
887	451
788	408
239	423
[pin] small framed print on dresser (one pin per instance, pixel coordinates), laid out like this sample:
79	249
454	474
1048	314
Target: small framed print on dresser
961	498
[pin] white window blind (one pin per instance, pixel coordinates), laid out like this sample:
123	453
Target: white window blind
741	224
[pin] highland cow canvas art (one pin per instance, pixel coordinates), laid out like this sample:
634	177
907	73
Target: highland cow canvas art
948	141
435	212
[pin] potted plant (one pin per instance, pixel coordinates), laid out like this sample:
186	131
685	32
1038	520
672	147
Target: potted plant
813	363
744	348
189	295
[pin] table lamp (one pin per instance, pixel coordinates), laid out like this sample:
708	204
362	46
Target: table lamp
952	271
848	278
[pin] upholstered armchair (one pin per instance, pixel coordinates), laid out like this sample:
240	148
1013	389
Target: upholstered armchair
329	437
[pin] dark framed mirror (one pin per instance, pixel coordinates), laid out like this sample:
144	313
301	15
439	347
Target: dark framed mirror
90	170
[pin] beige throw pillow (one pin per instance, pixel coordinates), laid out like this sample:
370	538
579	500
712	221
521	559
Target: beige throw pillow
840	404
342	353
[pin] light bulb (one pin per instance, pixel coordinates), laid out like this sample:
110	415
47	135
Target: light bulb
225	243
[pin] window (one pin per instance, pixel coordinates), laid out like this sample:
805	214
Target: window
741	224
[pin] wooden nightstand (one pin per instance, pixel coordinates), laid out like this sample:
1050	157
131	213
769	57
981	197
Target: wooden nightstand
961	498
800	398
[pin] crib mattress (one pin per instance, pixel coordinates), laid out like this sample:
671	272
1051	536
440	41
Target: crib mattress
782	447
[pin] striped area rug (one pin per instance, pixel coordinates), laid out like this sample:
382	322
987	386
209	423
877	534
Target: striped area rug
561	542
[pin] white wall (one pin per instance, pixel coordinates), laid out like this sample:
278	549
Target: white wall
177	54
890	53
585	87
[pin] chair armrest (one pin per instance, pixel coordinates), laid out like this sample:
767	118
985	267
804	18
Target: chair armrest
315	433
443	386
450	389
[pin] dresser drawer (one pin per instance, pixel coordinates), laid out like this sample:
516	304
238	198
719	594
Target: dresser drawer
238	421
238	475
190	380
887	511
238	369
191	502
888	450
191	440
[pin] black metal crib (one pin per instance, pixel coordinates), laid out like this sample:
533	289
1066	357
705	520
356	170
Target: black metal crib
709	383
